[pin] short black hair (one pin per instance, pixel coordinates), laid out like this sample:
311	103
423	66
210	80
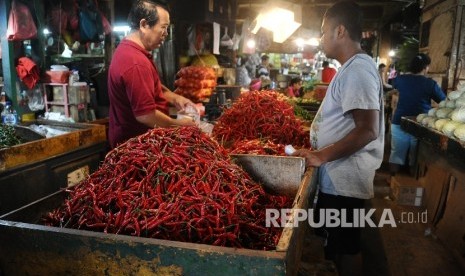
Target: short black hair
265	57
145	9
350	15
294	81
325	63
381	66
419	62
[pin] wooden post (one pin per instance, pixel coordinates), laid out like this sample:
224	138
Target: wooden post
8	64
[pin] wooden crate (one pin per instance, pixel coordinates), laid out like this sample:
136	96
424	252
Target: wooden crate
79	136
37	168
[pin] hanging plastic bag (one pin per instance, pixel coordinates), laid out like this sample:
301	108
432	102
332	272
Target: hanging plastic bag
105	23
36	99
21	25
90	23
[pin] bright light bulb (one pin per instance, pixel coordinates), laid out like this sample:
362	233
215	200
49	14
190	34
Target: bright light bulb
313	42
46	31
280	17
251	43
392	53
300	42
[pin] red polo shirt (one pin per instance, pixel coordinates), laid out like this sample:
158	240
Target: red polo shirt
134	89
328	74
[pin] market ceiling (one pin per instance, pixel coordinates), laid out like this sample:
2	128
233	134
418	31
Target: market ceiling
377	13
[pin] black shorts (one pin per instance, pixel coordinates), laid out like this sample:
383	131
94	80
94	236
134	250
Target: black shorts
339	240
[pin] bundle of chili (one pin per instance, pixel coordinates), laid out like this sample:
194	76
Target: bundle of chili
175	184
262	115
257	146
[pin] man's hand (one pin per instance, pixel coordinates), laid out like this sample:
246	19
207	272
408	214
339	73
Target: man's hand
181	103
312	158
186	122
177	100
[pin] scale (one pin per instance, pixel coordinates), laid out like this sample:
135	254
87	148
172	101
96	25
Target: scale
215	106
222	97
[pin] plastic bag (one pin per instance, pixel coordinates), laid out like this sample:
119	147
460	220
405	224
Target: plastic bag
21	25
206	127
36	99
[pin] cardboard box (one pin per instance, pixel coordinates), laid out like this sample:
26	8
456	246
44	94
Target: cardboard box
56	76
78	93
406	190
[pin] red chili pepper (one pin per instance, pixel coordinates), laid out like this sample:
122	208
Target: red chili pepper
172	183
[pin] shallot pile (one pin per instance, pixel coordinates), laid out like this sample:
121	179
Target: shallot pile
195	82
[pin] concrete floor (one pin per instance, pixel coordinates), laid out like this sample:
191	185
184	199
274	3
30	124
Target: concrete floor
408	249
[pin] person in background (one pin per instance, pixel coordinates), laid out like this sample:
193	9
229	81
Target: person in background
242	75
294	87
328	73
251	64
392	73
264	72
264	67
383	75
138	100
347	134
389	96
415	94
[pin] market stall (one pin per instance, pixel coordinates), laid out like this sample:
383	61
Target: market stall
30	247
40	166
177	201
441	172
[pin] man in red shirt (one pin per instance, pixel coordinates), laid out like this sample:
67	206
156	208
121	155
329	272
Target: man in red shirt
327	74
138	100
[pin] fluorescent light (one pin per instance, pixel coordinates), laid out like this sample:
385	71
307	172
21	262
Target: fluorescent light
121	29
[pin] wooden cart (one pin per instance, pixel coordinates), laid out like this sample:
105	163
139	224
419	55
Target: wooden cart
28	248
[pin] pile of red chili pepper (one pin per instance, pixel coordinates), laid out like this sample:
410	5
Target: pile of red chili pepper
257	146
175	184
264	115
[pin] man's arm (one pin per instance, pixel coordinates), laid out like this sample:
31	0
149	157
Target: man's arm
366	130
160	119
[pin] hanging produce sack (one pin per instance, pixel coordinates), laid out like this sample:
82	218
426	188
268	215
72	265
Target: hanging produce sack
21	25
105	23
90	23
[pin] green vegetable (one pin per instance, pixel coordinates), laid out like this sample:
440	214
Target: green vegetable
309	85
8	137
302	112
